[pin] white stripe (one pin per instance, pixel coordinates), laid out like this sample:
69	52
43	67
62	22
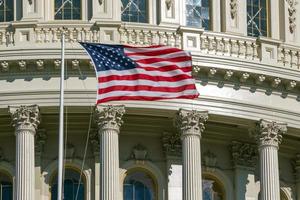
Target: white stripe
142	50
170	55
146	82
139	71
147	94
166	63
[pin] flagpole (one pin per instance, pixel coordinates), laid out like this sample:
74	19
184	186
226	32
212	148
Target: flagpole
61	121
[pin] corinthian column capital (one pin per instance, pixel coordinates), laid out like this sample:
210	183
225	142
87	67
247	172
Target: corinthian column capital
191	122
25	117
109	117
269	133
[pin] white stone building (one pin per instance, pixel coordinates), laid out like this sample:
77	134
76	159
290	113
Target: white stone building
241	142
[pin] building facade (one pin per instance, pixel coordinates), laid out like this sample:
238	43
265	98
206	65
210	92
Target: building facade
238	141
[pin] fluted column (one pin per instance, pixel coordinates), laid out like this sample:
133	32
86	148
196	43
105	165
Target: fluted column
109	120
269	136
191	125
25	119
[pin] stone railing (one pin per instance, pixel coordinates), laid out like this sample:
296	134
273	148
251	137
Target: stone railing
150	35
229	45
289	56
6	35
47	35
74	33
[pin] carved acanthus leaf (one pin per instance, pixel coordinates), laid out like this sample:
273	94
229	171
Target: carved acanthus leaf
244	154
109	117
269	132
191	122
292	15
233	8
172	144
25	116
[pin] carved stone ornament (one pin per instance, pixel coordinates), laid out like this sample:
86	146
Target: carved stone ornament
172	144
269	133
139	152
109	117
30	2
292	15
209	159
40	140
191	122
233	8
25	117
70	151
244	154
5	66
95	141
169	4
100	2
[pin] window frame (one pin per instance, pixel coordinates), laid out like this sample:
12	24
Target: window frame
83	180
13	11
268	15
10	177
146	171
210	10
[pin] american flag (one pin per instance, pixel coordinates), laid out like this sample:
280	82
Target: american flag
141	73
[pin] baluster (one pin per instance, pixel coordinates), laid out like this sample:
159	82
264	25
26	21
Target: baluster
38	35
226	46
219	46
298	63
204	43
211	45
178	40
146	37
242	49
255	51
249	50
122	33
294	59
54	35
95	38
154	38
280	55
287	57
234	48
47	37
161	36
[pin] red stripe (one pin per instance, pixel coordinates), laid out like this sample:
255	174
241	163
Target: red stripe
154	53
143	98
146	88
143	77
167	68
158	59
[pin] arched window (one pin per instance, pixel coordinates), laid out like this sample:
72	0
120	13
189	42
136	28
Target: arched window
198	13
212	189
6	10
72	187
135	11
139	185
6	187
257	18
67	9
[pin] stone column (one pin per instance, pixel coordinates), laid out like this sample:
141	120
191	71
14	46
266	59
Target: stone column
109	120
244	157
191	125
269	136
25	119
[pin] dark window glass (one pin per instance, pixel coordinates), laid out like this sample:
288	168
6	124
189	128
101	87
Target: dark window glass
134	11
211	190
6	10
6	187
67	9
71	185
139	186
257	18
198	13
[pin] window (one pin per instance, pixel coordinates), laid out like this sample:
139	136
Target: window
257	18
73	189
198	14
212	189
6	10
67	9
6	187
139	185
134	11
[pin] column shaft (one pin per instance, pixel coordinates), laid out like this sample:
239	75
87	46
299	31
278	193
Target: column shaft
25	177
192	178
109	165
269	185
